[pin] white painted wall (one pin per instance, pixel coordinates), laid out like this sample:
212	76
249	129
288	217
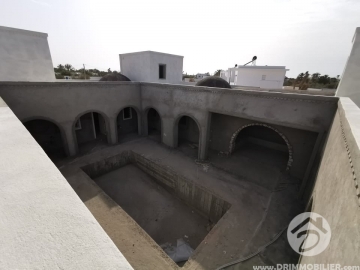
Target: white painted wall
44	224
25	56
271	77
350	79
144	66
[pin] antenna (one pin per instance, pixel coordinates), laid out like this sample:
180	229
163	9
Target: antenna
252	61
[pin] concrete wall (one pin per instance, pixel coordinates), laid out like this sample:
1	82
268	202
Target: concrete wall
188	130
302	141
44	224
125	126
144	66
350	80
64	103
25	56
336	195
86	133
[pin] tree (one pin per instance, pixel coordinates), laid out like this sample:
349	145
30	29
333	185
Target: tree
324	79
217	72
109	70
315	77
69	67
60	67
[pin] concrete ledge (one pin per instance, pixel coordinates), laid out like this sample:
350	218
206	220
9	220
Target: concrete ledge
24	32
44	225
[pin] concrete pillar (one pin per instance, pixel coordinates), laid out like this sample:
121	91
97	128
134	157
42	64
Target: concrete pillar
112	131
144	124
167	135
204	138
72	148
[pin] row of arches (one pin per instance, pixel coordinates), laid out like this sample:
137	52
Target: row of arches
91	131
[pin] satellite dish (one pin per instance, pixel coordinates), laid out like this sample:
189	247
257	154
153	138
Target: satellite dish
254	58
235	65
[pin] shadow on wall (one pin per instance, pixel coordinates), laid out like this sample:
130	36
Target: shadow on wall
91	132
188	139
154	125
127	124
48	136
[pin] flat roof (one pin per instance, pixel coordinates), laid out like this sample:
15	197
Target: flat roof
152	52
260	67
22	31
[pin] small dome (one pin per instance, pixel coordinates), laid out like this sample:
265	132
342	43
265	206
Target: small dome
213	81
115	77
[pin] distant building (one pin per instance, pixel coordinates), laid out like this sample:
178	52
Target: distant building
149	66
25	56
271	77
201	76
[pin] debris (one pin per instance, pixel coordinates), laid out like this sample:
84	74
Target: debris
180	253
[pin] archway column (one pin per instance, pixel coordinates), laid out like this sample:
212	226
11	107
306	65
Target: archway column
167	135
204	137
113	137
72	148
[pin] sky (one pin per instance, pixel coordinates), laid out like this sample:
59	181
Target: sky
303	35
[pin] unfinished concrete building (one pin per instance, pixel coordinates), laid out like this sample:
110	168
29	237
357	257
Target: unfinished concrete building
144	168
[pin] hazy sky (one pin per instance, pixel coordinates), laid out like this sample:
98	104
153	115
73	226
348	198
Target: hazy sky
304	35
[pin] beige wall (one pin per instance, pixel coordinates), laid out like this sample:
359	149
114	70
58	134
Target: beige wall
335	196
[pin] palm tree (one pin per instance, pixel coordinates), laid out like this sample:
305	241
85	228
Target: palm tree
217	72
69	67
60	67
315	77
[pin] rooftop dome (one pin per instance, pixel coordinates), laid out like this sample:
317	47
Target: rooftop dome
213	81
115	77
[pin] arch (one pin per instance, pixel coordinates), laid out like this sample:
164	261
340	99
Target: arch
234	136
49	135
153	127
176	130
131	127
106	127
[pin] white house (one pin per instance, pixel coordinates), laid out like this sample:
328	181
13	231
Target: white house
271	77
149	66
201	76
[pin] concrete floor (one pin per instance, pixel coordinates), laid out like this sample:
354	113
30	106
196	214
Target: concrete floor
253	163
164	217
256	215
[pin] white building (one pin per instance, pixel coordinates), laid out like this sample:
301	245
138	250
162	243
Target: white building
25	56
350	79
201	76
271	77
149	66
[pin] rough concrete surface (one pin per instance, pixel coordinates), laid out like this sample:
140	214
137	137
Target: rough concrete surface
44	225
336	196
164	217
255	217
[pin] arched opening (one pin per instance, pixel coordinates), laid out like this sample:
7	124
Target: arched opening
91	132
48	136
127	125
154	125
188	136
262	144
